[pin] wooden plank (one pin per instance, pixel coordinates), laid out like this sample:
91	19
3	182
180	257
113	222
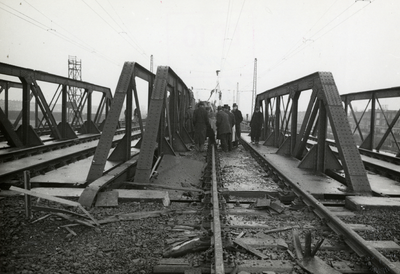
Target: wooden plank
134	216
265	243
164	187
144	195
244	211
384	245
173	261
267	265
361	227
344	214
49	209
250	249
193	271
365	203
44	196
59	191
107	199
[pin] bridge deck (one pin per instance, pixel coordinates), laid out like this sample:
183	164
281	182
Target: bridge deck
319	184
75	173
41	159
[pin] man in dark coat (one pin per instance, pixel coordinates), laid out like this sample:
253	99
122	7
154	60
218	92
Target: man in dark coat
238	120
231	123
223	128
256	124
189	121
200	122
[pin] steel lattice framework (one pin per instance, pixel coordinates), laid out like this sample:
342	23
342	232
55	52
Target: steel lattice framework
324	109
30	80
371	141
165	131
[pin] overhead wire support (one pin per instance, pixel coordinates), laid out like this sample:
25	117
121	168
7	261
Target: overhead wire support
253	98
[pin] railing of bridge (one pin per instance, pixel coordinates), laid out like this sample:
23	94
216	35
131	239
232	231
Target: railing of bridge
324	109
31	82
376	127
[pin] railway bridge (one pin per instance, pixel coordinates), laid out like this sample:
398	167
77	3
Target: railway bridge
323	159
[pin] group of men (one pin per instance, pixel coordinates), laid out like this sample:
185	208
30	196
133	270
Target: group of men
227	126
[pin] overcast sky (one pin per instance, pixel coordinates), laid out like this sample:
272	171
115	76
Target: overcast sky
358	41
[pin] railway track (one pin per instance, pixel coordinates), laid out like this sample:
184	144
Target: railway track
273	227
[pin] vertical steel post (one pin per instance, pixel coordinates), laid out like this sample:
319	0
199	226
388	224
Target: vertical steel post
6	99
277	120
128	122
372	125
89	109
26	98
27	185
322	127
293	125
64	110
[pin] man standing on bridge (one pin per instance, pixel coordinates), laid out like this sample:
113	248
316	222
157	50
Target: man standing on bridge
256	124
231	123
238	120
223	128
200	122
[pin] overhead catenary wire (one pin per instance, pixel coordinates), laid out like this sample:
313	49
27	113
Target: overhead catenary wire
64	29
124	30
224	57
44	27
113	28
311	39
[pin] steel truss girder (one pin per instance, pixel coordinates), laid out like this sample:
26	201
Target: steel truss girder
165	122
324	106
30	88
126	84
373	96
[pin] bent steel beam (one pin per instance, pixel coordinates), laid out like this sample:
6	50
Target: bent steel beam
324	106
126	84
169	100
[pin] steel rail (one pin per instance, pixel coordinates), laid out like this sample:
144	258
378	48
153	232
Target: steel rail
356	242
57	144
218	250
56	162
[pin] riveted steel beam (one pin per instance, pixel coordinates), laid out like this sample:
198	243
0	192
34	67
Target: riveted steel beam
164	119
325	105
374	140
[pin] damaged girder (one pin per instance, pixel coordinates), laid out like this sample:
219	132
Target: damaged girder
165	124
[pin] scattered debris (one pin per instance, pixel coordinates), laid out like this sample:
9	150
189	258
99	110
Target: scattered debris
193	245
308	260
250	249
55	199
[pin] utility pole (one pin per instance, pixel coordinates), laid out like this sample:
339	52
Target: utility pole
237	93
151	63
218	90
254	86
